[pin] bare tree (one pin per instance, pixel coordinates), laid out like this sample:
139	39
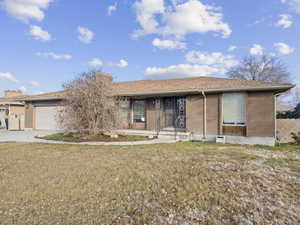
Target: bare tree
89	104
264	68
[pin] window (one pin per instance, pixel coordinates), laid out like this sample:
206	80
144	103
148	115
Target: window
139	112
234	109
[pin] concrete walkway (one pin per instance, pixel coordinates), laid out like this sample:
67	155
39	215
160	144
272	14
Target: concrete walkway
29	137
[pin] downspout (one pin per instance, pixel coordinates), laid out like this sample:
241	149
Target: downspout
204	115
275	115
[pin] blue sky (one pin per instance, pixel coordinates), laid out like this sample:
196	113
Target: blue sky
47	42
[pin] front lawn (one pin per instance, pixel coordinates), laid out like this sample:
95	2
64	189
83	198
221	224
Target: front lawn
181	183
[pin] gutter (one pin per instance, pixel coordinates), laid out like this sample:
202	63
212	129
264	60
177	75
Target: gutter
42	99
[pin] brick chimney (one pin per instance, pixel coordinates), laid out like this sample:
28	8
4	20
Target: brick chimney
102	75
12	93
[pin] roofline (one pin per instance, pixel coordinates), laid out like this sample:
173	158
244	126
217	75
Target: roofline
195	91
281	88
42	99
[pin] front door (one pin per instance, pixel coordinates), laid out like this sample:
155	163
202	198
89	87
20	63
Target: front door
175	111
169	104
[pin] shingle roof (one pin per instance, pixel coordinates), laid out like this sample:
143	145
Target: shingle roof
183	85
192	84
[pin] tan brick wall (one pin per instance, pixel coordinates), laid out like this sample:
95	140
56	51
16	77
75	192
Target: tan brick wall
151	114
212	111
260	114
194	114
29	116
285	127
194	110
16	110
12	93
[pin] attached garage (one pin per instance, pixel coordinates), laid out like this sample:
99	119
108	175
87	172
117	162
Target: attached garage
47	118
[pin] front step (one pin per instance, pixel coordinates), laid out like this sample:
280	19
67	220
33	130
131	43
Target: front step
181	136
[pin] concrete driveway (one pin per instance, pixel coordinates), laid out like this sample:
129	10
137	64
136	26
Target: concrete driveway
29	137
23	136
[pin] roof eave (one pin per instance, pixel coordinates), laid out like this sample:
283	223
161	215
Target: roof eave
281	88
196	91
42	99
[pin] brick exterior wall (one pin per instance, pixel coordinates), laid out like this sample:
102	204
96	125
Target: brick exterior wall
17	110
194	114
261	114
212	110
194	111
29	116
151	114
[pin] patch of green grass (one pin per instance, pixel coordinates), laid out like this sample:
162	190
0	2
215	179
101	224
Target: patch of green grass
281	147
71	137
56	137
289	162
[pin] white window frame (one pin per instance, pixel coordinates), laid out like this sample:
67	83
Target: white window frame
133	112
236	123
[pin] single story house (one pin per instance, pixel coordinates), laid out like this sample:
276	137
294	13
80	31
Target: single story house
12	111
202	108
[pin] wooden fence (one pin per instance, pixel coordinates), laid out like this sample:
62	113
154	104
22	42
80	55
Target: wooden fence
285	127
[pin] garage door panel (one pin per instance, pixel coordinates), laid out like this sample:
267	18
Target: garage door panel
47	118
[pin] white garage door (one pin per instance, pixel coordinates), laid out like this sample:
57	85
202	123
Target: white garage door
46	118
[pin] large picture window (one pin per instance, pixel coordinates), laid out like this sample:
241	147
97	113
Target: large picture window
139	112
234	109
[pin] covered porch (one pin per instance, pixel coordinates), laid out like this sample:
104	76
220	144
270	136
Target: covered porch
154	114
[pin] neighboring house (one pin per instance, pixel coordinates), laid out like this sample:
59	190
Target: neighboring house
200	107
12	111
283	109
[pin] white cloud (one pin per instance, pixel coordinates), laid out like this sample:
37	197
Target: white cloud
285	21
146	11
178	19
34	83
85	35
168	44
55	56
39	34
8	77
111	9
200	64
217	59
122	63
294	4
257	50
231	48
23	89
95	62
283	48
181	70
26	10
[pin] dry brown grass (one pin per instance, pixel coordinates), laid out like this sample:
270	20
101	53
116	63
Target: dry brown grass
183	183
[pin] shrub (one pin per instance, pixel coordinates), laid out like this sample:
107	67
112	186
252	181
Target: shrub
296	137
